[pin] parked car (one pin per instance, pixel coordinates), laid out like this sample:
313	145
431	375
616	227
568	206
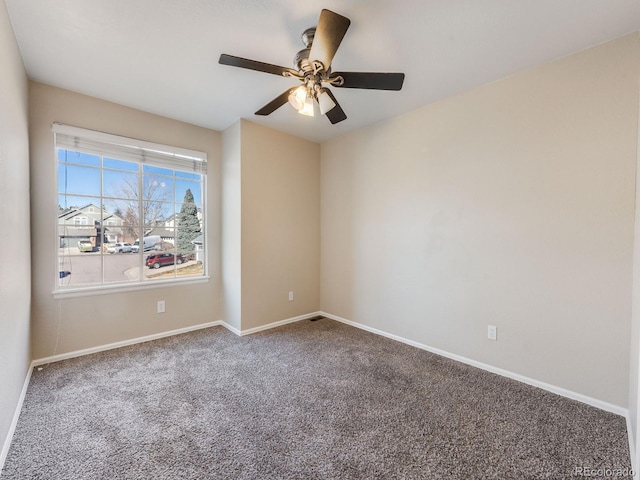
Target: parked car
157	260
119	248
85	246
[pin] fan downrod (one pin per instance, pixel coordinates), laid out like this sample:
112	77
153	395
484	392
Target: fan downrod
301	60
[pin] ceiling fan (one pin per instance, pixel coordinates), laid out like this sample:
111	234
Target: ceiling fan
313	64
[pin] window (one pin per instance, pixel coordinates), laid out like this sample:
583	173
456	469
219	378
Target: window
114	190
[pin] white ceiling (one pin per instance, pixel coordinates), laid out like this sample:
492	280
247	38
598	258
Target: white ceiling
161	56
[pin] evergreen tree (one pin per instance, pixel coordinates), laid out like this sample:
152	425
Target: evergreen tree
188	225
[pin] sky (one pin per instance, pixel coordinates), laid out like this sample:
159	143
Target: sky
79	182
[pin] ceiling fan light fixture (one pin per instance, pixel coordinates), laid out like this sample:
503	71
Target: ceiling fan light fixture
307	109
298	97
313	68
325	102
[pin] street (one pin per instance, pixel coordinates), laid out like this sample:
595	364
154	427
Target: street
86	268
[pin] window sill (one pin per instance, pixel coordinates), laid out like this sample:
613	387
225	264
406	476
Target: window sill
121	287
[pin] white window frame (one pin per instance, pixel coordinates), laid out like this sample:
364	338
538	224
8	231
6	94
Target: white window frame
141	151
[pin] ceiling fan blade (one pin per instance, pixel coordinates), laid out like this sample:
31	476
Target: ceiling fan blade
254	65
275	104
373	81
336	114
329	33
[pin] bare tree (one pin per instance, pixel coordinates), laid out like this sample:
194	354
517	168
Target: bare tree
153	200
131	225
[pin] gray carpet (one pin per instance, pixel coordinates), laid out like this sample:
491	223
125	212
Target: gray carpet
311	400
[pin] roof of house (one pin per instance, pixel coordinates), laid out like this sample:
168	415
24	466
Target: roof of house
161	232
74	211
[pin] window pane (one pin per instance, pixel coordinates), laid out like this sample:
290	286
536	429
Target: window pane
157	170
162	264
120	164
167	237
158	216
158	186
113	226
151	242
78	180
131	231
121	185
70	202
188	176
156	198
120	220
185	238
85	269
194	187
121	267
69	156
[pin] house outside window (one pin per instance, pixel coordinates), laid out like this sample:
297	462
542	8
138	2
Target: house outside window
114	190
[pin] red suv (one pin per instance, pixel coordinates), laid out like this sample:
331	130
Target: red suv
157	260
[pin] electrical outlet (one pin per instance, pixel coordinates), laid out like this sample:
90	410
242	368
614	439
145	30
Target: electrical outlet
161	306
492	332
291	296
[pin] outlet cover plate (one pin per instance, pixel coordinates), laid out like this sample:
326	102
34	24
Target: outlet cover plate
492	332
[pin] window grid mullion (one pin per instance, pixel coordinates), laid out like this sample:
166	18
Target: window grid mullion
141	221
101	236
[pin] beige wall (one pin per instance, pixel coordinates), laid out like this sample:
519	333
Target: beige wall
231	227
634	361
71	324
280	225
510	205
15	269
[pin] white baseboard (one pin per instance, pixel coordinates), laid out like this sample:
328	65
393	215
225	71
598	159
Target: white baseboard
271	325
594	402
14	421
231	328
124	343
156	336
632	447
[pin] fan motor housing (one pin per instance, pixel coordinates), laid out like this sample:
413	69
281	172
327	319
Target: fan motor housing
299	60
